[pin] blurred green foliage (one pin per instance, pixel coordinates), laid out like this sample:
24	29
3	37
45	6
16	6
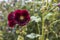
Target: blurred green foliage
51	24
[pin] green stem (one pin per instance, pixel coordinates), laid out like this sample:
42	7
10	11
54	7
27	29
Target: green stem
38	28
42	2
53	23
38	31
42	27
47	3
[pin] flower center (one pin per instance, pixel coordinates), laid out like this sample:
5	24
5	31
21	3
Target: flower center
21	17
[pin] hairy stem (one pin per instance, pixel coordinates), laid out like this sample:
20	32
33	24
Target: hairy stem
42	27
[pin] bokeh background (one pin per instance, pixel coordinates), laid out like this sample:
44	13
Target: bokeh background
44	23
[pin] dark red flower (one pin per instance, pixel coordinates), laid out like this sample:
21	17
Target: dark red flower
11	16
20	17
11	21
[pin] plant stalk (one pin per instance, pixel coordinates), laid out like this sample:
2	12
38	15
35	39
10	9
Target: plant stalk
42	26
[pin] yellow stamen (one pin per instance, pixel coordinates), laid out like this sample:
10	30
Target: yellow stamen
21	17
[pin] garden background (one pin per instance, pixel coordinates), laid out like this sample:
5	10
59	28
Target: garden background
44	21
